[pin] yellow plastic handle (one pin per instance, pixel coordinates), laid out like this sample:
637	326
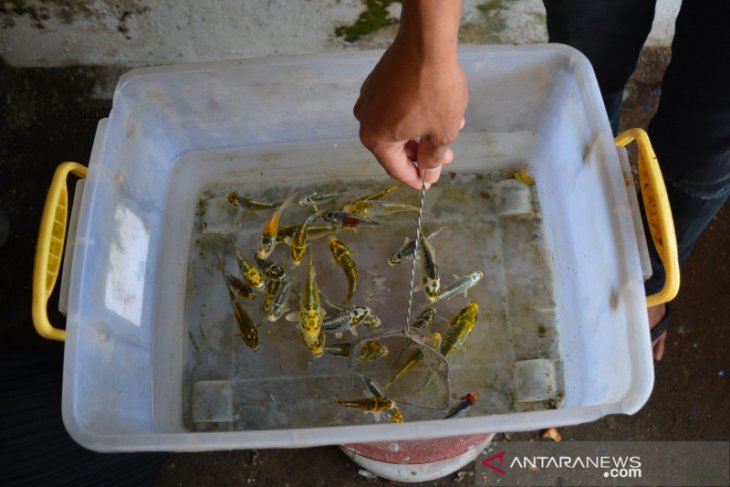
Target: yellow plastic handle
658	213
49	249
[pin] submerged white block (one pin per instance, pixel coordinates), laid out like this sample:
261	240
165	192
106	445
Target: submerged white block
514	199
534	380
212	402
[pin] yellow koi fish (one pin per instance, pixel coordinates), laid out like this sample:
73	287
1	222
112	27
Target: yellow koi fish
247	330
369	404
371	350
299	242
249	272
343	257
287	232
311	314
316	346
523	176
377	404
393	414
415	358
235	285
431	280
268	234
236	199
459	329
380	194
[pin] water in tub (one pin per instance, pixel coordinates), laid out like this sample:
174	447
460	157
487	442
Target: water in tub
487	221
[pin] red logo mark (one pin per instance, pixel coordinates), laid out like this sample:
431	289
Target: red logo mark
499	455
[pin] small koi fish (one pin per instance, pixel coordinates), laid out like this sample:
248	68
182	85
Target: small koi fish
380	194
377	208
342	322
394	415
459	329
315	346
311	200
523	176
272	288
235	285
300	242
434	341
343	257
287	232
249	272
236	199
371	350
461	408
268	234
247	330
370	405
346	219
410	362
278	305
363	315
311	313
424	319
408	249
272	270
371	321
431	281
459	286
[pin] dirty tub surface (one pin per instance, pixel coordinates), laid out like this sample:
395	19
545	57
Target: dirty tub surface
135	360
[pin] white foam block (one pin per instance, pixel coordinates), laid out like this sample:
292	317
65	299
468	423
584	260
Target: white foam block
212	402
534	380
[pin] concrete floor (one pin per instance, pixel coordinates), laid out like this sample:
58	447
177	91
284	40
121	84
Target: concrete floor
49	115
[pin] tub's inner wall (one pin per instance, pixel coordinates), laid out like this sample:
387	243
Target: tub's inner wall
121	360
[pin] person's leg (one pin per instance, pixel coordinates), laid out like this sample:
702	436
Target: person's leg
691	129
610	33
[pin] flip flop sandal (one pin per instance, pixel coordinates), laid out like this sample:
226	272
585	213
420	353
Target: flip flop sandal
660	327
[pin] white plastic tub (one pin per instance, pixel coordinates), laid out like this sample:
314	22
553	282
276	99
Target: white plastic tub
123	371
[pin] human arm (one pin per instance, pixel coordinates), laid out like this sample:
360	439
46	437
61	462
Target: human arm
411	106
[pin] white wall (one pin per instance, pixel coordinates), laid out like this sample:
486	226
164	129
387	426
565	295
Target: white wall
143	32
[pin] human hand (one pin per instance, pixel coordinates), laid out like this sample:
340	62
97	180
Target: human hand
411	106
